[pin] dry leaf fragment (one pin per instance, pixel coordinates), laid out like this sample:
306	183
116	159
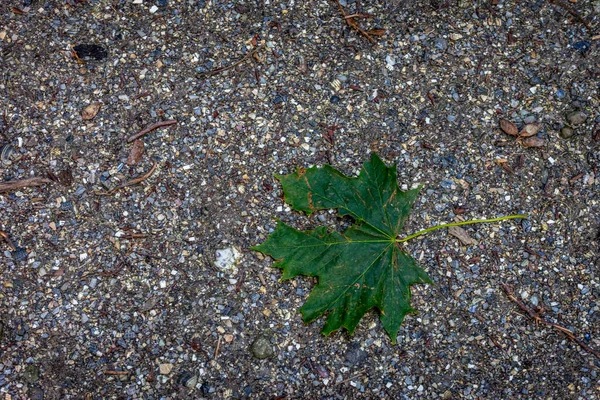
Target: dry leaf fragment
530	130
533	141
136	152
509	128
377	32
462	235
90	111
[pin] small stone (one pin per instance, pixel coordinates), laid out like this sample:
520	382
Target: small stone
20	254
566	132
165	369
31	374
576	117
262	348
441	44
90	111
228	259
355	355
188	379
334	99
90	51
36	393
582	46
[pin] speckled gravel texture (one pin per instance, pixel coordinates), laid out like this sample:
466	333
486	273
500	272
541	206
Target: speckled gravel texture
118	296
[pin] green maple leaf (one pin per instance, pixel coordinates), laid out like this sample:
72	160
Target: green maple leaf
362	268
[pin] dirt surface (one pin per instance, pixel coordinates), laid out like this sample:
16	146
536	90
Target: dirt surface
115	283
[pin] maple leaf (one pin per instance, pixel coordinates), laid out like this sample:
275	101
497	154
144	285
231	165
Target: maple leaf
365	266
362	268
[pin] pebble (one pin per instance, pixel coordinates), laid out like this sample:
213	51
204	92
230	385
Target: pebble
31	374
227	259
441	44
261	348
20	254
566	132
355	355
582	46
165	369
576	117
188	379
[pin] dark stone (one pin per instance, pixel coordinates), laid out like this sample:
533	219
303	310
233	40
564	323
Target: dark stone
20	254
582	46
90	51
36	393
31	374
355	355
334	99
66	205
566	133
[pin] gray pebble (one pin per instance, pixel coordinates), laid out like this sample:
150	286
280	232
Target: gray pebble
31	374
262	348
188	379
576	117
566	132
441	44
355	355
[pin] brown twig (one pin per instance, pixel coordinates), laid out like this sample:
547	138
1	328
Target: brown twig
358	375
350	20
150	129
574	13
4	236
143	94
109	372
536	317
215	71
132	182
134	236
217	349
22	183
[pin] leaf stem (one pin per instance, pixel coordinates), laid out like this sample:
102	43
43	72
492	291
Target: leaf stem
473	221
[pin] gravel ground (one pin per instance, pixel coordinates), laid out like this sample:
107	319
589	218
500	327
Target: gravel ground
115	292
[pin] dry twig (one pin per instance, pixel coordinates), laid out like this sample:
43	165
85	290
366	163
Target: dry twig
4	236
351	21
574	13
132	182
22	183
249	54
539	320
358	375
108	372
150	129
217	349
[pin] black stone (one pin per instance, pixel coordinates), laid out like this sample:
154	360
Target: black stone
90	51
